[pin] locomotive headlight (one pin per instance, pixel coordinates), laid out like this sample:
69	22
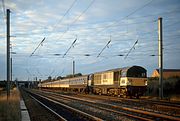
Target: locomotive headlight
145	82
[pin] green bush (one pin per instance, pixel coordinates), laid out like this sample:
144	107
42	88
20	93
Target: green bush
170	86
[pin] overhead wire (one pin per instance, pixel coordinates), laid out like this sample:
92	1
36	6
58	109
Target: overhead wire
165	36
99	27
72	24
130	18
73	54
77	18
173	24
67	11
127	17
89	28
55	26
153	21
117	21
114	24
168	12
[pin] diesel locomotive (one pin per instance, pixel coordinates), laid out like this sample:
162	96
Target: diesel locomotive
123	82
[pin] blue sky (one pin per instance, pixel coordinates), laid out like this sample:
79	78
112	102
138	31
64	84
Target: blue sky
93	23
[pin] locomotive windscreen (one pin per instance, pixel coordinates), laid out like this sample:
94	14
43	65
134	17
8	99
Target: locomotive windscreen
134	71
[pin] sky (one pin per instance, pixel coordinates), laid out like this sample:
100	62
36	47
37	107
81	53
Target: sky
108	28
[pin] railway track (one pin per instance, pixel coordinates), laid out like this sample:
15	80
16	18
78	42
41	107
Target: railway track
106	108
84	109
36	111
162	107
48	108
64	112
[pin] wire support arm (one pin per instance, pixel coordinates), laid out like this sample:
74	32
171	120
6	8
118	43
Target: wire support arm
72	45
133	47
104	48
37	47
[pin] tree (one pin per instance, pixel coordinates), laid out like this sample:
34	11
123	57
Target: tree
78	74
59	77
49	78
75	75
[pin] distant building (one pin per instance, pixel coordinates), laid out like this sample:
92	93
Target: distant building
167	73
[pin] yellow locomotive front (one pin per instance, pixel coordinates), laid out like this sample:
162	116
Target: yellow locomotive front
129	81
133	81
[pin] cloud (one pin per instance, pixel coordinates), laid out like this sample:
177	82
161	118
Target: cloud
31	21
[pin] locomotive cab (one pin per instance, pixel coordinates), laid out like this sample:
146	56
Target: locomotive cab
134	80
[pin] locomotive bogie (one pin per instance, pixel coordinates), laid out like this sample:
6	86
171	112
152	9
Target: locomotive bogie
135	91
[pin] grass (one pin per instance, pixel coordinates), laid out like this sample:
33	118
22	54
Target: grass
10	109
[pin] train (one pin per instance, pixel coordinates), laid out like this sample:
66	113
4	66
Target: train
123	82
